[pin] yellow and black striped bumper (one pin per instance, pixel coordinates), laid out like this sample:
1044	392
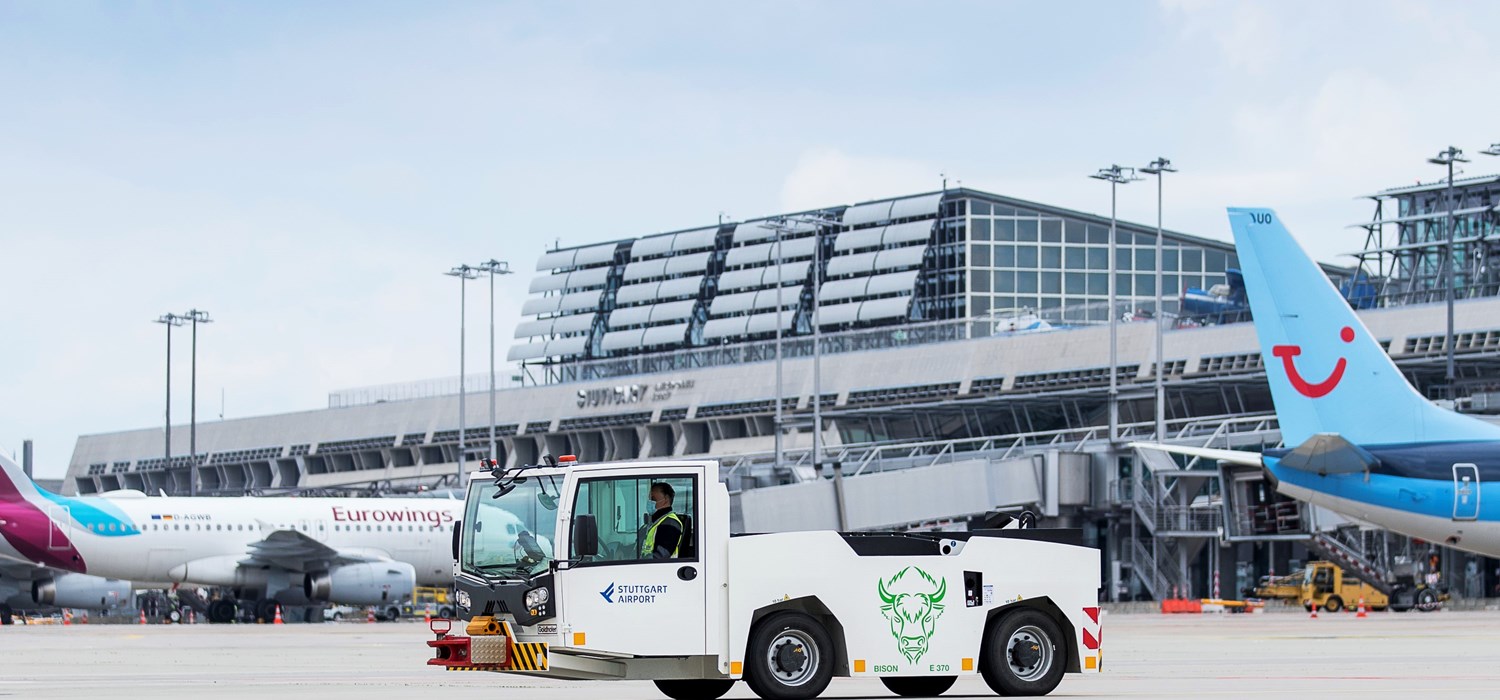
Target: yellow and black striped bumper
528	656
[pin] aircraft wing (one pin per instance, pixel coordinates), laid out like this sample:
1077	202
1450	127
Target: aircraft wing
1232	456
295	551
21	571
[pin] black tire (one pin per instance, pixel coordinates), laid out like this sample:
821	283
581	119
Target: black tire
392	614
1024	654
804	657
919	686
7	616
696	689
1427	600
221	611
1333	604
265	611
445	612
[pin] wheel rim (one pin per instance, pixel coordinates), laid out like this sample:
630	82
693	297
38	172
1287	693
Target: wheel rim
1029	653
792	657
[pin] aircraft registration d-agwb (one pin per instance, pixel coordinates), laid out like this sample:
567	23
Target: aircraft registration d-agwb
356	551
1367	445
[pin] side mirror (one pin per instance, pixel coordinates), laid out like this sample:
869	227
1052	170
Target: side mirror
585	536
458	526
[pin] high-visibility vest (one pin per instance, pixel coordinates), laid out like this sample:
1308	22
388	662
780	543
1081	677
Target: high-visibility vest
649	546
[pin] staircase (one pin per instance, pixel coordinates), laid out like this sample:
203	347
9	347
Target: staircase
1332	546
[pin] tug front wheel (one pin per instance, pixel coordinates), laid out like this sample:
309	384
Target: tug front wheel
789	657
1024	654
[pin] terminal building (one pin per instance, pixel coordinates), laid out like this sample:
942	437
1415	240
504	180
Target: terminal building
962	367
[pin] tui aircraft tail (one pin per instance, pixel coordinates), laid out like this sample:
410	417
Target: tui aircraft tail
1327	373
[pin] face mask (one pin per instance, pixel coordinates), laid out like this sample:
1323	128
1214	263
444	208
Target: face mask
650	506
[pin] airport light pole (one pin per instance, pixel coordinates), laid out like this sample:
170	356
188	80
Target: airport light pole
170	321
196	316
493	267
1448	157
464	273
1159	167
818	223
778	227
1115	176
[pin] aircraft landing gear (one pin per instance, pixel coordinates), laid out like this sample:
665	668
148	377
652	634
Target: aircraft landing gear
265	610
222	611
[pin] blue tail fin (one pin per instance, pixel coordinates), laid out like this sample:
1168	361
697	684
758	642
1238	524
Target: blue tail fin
1327	373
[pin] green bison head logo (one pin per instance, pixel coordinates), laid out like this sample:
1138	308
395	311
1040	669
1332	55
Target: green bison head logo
912	601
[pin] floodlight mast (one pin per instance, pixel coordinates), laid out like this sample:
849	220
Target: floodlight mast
1115	176
1159	167
1447	157
464	273
171	321
493	267
196	316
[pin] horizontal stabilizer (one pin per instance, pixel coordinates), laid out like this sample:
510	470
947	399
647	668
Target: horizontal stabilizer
1231	456
1329	453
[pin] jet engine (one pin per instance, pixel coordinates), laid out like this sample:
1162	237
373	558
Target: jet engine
80	591
365	583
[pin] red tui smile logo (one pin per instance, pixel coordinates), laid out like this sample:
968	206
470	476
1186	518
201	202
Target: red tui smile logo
1312	390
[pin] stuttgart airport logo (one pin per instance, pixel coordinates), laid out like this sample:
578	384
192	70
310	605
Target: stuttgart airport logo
632	593
1312	390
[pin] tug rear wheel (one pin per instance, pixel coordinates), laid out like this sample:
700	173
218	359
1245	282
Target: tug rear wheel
1024	654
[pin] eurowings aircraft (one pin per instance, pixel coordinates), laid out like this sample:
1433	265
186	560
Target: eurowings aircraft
356	551
1367	445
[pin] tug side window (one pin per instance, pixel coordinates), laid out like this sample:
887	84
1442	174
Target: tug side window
622	510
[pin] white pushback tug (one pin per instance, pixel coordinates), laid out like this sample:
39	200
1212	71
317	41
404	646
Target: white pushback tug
551	580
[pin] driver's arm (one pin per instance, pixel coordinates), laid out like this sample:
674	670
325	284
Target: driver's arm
667	537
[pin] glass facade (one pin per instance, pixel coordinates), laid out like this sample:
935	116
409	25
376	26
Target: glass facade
1021	259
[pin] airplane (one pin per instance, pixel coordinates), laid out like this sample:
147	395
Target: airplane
267	551
1368	446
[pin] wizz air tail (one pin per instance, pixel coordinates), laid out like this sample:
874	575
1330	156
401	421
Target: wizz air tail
1327	373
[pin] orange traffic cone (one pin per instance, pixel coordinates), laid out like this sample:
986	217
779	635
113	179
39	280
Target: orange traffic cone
277	619
85	619
370	615
1314	612
143	616
67	616
1361	612
427	614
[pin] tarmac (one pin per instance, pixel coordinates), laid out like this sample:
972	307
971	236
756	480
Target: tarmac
1440	654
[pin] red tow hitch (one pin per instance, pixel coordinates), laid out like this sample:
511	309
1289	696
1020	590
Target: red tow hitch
458	653
451	651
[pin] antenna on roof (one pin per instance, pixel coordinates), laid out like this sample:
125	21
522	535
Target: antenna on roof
945	180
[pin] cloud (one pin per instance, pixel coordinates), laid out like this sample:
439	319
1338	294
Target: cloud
826	176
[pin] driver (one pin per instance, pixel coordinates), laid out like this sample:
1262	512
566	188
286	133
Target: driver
664	529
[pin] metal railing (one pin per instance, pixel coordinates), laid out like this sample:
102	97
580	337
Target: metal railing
859	458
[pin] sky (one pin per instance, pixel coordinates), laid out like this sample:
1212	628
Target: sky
306	171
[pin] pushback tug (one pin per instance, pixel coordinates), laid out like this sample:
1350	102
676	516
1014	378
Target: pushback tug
551	581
